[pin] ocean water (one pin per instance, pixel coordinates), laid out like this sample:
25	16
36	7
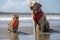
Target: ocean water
26	20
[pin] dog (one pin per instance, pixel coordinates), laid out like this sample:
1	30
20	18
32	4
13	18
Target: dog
13	24
39	19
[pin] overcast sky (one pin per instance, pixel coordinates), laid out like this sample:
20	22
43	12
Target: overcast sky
21	6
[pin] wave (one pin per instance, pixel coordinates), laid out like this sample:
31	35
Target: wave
27	18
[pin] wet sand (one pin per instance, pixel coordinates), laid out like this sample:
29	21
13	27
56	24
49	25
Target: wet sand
21	30
30	30
25	36
26	33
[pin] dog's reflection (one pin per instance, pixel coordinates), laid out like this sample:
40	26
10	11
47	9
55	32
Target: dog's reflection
13	36
42	36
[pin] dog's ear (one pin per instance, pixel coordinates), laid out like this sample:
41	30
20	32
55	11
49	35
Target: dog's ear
39	5
31	8
31	4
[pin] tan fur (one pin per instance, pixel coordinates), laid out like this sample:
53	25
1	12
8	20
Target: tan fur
10	25
43	23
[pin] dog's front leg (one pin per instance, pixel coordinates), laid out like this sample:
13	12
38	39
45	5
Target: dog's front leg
38	27
41	23
35	27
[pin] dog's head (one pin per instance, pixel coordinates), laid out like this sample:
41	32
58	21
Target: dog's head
15	17
35	6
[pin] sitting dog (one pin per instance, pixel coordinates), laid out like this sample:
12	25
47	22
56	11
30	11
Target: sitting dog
13	24
40	21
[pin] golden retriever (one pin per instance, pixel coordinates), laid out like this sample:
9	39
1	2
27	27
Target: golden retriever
39	19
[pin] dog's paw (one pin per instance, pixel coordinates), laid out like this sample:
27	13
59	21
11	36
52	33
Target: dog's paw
9	31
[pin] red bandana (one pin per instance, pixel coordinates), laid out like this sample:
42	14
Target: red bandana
37	16
15	23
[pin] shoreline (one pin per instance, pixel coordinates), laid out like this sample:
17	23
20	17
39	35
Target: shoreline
29	30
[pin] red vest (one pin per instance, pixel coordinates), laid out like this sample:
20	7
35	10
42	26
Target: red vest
37	16
15	23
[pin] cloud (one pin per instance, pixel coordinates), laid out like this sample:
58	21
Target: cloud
15	4
7	4
22	5
11	3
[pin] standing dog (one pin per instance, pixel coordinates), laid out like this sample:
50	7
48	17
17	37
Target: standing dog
13	24
40	21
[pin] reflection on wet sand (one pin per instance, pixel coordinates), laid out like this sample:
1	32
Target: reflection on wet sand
39	36
13	36
36	36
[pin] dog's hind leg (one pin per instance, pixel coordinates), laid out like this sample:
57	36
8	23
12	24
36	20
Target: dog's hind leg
46	27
